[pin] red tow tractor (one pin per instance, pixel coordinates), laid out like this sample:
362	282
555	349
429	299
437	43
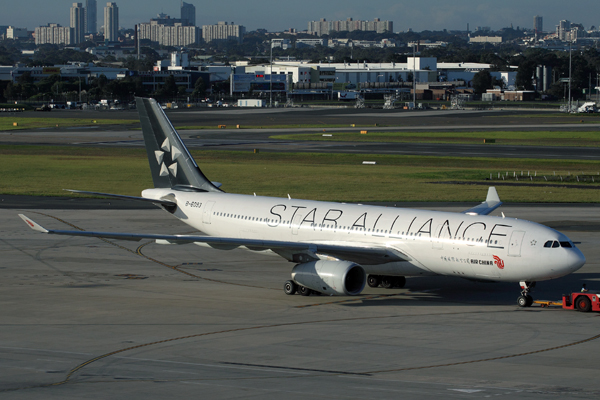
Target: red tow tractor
581	301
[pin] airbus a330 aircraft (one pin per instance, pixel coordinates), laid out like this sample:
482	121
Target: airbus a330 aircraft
337	246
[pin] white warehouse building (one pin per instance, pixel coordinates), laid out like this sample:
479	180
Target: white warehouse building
424	69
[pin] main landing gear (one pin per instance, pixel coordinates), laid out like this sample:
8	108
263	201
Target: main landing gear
291	287
385	281
525	299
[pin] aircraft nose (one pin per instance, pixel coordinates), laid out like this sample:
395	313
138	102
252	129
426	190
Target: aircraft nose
576	259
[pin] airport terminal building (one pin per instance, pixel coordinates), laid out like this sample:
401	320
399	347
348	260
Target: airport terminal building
432	80
378	77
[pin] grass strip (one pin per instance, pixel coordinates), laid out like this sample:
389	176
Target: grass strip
7	123
289	126
595	118
545	138
41	170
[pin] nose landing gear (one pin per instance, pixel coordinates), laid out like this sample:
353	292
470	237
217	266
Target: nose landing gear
525	299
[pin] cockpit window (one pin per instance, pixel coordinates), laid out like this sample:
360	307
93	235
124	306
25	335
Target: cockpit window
554	244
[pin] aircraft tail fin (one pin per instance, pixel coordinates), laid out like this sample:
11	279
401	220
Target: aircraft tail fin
171	164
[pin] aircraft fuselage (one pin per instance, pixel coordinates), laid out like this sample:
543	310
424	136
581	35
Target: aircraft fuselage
470	246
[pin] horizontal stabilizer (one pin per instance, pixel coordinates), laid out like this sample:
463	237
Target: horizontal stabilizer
491	202
129	198
33	225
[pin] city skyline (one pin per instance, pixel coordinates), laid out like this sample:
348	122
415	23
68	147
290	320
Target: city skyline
429	15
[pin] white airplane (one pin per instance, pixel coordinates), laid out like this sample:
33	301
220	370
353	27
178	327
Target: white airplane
336	246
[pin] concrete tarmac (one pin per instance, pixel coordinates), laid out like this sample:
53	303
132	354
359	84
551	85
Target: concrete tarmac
96	319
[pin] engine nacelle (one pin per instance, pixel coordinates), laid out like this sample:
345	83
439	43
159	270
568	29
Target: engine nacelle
343	278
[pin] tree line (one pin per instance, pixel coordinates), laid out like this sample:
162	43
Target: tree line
55	88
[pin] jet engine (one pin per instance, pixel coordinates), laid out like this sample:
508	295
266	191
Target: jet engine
343	278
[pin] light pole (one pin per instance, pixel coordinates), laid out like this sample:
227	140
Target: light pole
332	85
570	63
231	77
377	80
414	76
597	87
271	78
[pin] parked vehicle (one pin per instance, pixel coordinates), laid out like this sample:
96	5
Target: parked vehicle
585	301
580	301
588	107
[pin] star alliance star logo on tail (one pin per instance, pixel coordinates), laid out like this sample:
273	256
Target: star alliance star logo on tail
160	157
498	261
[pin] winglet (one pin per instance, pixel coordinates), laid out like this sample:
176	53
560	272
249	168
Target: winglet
33	225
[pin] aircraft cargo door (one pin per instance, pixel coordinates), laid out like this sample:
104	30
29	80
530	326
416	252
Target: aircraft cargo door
207	212
514	247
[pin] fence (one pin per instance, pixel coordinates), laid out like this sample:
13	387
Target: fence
533	176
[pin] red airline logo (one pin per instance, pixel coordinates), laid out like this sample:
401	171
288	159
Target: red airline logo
498	261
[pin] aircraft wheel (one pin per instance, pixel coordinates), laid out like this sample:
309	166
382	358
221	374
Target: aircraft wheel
387	282
400	282
529	300
373	280
304	291
583	304
290	287
523	301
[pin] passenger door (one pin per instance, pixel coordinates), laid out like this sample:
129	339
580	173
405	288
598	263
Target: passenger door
514	246
207	212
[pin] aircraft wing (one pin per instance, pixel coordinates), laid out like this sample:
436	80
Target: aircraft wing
491	202
361	253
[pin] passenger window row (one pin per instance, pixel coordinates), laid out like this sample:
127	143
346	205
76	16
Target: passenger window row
348	228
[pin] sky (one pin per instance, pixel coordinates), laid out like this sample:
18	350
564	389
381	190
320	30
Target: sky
284	14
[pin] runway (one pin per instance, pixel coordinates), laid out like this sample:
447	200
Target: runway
90	318
248	139
197	141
